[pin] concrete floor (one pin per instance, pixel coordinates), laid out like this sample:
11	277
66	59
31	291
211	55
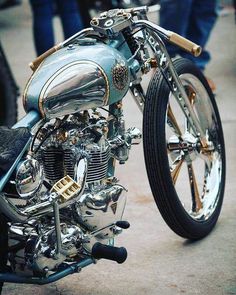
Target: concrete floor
159	261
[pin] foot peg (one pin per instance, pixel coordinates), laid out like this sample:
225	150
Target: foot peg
123	224
118	254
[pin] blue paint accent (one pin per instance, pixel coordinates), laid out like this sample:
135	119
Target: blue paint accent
134	67
101	54
28	120
121	45
13	278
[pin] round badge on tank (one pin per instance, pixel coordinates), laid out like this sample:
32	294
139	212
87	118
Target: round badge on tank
120	76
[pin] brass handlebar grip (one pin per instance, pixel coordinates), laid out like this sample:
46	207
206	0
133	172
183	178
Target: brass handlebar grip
35	64
185	44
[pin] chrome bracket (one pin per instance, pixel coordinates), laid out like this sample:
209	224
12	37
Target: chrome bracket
138	95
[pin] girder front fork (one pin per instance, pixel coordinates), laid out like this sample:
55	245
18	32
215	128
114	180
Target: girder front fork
165	65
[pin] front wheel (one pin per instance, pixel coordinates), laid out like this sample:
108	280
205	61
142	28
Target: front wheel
187	180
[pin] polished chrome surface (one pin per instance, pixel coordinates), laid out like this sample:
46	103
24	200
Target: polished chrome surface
111	22
98	157
166	66
138	96
29	178
100	209
121	143
78	147
75	87
134	135
44	251
188	159
81	34
81	169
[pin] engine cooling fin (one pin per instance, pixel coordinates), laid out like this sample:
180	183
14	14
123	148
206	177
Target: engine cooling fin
98	164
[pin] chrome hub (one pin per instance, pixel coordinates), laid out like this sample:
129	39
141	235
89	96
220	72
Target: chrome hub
187	145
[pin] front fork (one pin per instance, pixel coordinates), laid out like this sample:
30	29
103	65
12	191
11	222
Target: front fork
164	63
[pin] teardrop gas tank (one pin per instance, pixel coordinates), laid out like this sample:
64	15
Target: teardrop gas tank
77	78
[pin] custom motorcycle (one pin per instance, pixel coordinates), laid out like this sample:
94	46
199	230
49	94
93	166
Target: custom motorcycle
61	204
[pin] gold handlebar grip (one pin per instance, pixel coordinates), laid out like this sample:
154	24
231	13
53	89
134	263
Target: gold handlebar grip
185	43
35	64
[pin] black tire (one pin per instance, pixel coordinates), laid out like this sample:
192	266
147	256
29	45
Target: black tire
8	94
194	223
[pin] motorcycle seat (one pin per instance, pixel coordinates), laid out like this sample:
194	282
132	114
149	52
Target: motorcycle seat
12	141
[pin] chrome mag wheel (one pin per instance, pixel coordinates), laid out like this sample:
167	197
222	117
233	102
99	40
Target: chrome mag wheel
196	171
187	177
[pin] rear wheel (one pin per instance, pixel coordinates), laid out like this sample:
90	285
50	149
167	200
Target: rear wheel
187	180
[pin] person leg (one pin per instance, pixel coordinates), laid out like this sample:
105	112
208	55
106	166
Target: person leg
174	16
70	17
202	20
84	12
42	24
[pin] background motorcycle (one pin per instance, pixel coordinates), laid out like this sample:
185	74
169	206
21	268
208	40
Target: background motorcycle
59	193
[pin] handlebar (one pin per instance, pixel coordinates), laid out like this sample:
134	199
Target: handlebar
35	64
142	21
185	44
172	37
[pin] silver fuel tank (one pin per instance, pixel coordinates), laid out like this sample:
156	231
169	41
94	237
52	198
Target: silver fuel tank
76	78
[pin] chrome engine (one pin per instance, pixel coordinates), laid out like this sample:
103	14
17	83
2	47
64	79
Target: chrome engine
65	181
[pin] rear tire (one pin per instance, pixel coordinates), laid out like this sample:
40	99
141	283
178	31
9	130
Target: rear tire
166	156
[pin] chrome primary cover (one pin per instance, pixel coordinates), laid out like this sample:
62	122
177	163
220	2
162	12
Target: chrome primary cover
102	208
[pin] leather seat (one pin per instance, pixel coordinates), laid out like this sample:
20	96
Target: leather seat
12	141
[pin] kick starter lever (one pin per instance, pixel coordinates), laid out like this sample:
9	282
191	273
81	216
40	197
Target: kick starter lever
118	254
